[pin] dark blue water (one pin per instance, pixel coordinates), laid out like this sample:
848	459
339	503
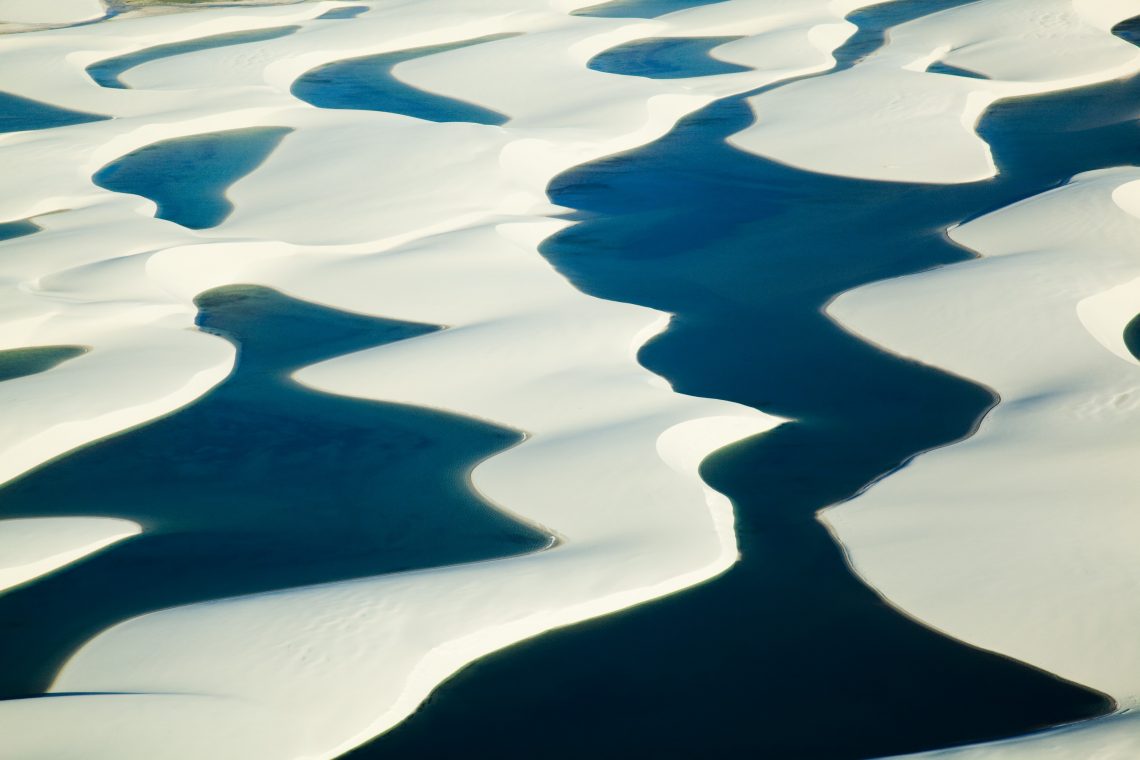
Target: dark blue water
107	73
12	230
640	8
1129	30
20	362
351	11
938	67
188	177
787	655
665	58
368	84
260	485
21	114
1132	337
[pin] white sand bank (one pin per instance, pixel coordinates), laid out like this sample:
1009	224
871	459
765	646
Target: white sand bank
33	547
385	215
887	118
1020	540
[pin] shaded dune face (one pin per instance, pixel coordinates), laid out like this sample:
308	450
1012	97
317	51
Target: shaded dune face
260	485
188	177
368	84
746	253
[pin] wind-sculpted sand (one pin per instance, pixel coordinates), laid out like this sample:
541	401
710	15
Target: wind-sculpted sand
440	223
381	214
36	12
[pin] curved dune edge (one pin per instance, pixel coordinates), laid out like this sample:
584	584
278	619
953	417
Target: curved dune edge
1019	540
880	119
387	215
33	547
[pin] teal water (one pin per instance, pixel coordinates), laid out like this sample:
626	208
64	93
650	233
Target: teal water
20	362
938	67
665	58
19	114
368	84
187	177
260	485
12	230
108	72
1132	337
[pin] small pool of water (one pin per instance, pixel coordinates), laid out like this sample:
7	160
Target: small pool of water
13	230
188	177
665	58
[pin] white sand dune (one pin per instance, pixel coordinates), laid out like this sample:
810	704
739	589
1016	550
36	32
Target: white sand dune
32	547
387	215
1021	540
887	118
439	223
